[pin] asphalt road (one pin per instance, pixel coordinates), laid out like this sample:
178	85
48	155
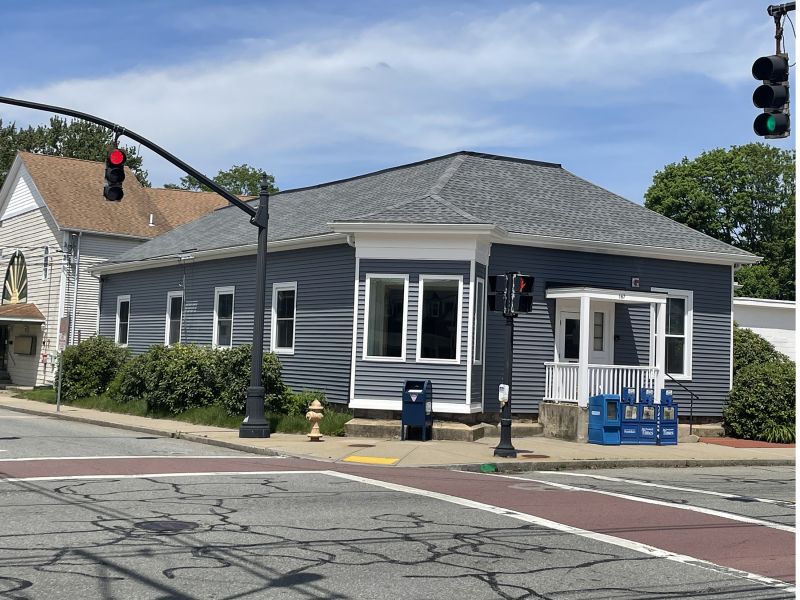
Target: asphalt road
173	519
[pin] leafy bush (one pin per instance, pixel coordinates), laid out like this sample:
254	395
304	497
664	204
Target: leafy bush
779	434
750	348
233	375
762	401
89	367
297	403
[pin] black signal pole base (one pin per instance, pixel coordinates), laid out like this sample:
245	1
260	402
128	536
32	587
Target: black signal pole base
505	448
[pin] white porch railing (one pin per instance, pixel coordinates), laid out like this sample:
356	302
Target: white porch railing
561	379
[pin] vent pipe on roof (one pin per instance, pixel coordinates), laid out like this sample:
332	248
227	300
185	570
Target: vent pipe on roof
151	224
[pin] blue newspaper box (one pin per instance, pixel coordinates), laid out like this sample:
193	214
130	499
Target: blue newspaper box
417	408
629	417
667	420
648	417
604	420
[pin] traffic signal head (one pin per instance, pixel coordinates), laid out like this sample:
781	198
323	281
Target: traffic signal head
772	96
496	295
115	175
523	284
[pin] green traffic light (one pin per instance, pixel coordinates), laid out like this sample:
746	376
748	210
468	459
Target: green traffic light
770	124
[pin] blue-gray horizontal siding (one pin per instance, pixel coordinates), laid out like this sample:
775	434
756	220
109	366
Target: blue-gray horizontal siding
476	384
534	333
324	310
384	380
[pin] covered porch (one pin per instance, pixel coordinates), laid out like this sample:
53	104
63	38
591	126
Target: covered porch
583	363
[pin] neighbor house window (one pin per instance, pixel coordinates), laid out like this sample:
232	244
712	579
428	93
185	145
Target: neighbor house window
123	319
439	325
174	318
385	319
284	302
46	262
678	336
477	321
222	335
597	331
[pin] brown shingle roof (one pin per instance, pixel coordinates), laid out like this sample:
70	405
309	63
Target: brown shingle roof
73	191
20	312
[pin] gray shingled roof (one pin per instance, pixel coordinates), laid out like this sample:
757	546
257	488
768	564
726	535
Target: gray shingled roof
521	196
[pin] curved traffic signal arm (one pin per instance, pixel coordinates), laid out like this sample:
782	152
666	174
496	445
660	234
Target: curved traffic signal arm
772	96
115	175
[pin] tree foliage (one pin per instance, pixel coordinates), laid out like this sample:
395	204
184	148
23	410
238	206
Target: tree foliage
744	196
242	180
62	137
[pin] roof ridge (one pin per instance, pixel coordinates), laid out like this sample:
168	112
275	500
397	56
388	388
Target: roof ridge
455	208
392	206
86	160
445	177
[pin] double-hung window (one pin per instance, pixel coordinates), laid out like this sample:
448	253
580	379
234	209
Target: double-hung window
439	318
284	303
478	320
123	320
385	321
172	334
222	335
678	334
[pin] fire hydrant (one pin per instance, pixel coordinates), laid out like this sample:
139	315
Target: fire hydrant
314	415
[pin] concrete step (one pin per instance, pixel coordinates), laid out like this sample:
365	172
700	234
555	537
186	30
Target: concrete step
442	430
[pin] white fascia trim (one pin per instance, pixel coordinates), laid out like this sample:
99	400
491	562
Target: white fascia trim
228	289
9	184
355	331
700	256
459	228
688	346
280	287
367	280
420	291
438	407
170	296
765	303
22	320
328	239
120	300
624	296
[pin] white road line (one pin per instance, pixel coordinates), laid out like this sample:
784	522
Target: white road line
54	458
699	509
152	475
600	537
664	486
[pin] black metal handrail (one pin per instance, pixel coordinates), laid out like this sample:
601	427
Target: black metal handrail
692	396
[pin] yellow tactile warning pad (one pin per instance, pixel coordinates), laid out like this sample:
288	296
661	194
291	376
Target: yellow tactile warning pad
371	460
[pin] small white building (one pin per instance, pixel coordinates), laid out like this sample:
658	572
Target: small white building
774	320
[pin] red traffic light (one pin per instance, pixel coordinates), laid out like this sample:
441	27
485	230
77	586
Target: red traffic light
116	157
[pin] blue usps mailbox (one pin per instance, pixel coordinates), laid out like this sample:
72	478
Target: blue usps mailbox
604	420
629	417
647	417
667	420
417	408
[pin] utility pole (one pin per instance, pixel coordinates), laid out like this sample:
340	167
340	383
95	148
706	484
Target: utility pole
254	425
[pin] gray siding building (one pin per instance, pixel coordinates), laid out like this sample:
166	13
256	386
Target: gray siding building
382	278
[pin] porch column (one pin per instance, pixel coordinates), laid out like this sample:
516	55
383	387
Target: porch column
583	352
660	358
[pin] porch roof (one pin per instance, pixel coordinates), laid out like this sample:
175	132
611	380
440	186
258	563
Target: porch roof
622	296
24	313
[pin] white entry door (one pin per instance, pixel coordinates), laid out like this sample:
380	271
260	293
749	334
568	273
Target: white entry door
601	333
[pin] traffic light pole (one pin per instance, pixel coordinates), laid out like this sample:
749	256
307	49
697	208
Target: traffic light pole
505	448
254	424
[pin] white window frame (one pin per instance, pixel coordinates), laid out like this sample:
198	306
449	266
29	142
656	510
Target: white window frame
368	286
218	291
170	296
688	297
120	300
420	294
273	338
479	333
46	258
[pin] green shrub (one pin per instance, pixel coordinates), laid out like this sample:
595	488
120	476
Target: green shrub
750	348
762	399
779	434
333	421
89	367
233	376
297	403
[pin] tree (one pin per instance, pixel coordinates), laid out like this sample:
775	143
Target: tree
242	180
744	196
72	139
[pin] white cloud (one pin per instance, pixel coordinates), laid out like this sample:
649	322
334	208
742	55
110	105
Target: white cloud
428	84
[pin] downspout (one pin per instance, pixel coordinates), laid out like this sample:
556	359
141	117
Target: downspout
75	289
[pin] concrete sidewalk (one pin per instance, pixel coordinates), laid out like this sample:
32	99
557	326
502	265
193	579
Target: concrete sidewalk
533	453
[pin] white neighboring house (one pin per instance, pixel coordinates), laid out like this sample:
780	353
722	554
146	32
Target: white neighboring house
55	225
774	320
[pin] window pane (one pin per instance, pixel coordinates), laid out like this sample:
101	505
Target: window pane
598	331
123	333
675	355
440	312
285	332
386	310
572	328
285	304
225	306
175	308
224	332
477	350
676	314
124	309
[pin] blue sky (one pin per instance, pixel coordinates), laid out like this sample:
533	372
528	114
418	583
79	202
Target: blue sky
314	91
